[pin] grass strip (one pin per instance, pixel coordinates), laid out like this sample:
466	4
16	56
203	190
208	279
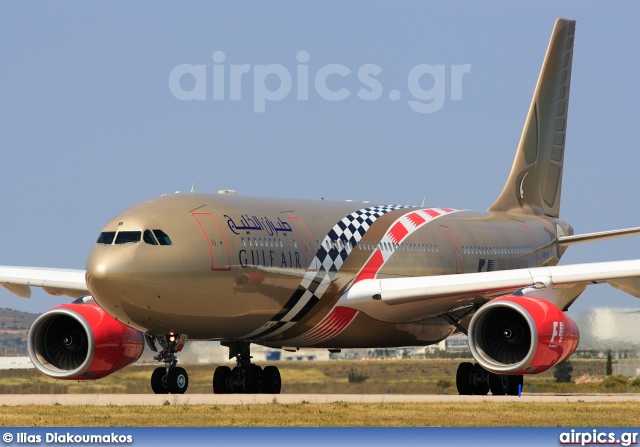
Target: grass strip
338	414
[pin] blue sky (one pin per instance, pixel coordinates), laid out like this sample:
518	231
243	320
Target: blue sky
90	125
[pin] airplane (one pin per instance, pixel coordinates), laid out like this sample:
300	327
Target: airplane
291	273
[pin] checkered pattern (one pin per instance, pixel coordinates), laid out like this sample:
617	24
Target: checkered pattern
340	317
331	254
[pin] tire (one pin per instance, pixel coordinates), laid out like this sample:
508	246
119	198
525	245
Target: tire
253	380
158	381
221	380
480	380
177	380
499	384
272	380
464	376
234	384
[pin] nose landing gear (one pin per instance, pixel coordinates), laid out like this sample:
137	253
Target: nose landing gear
169	378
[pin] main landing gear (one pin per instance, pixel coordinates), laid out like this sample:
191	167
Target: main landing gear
169	378
472	378
246	377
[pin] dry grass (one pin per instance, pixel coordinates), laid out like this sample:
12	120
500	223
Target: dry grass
338	414
396	377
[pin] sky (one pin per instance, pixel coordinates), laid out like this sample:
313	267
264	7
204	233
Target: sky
106	105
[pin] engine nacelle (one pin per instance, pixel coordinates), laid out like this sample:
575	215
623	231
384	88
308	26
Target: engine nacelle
82	342
521	335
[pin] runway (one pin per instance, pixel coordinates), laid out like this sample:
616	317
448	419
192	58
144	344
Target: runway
258	399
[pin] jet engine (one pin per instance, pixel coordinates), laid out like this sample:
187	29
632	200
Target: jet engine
80	341
521	335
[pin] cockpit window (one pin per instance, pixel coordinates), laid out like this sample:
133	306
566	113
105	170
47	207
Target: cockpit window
163	238
148	238
128	237
106	237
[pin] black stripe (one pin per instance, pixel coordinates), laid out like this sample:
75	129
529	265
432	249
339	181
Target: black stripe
273	328
291	303
305	310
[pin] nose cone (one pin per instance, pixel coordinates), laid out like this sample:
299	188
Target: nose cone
106	261
110	273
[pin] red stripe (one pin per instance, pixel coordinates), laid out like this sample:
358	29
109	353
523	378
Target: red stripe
372	266
347	315
320	330
335	323
397	233
328	329
447	210
432	213
416	219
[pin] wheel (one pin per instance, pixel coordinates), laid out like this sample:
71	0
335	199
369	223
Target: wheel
499	384
159	380
234	383
221	380
272	380
514	383
480	380
177	380
253	380
464	377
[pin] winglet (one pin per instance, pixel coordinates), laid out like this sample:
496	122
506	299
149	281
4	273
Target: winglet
535	180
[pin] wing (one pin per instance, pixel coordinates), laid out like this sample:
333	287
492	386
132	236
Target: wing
409	299
19	280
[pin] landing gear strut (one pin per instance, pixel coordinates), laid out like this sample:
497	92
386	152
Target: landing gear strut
472	378
169	378
246	377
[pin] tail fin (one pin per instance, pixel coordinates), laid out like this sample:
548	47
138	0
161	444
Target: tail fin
536	175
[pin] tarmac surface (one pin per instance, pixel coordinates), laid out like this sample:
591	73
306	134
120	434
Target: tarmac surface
253	399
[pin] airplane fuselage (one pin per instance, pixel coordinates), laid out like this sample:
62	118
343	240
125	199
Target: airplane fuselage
273	271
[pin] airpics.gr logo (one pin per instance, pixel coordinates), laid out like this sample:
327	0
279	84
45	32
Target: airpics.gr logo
331	82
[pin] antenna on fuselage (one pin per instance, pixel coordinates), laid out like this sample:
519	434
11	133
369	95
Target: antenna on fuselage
424	199
193	187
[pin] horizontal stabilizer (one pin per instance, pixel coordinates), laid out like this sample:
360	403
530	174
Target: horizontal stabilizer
600	236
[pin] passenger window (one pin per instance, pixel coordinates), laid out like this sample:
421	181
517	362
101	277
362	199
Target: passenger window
148	238
128	237
106	237
163	238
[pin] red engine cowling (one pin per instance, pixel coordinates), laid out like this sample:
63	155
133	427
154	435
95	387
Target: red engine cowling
521	335
80	341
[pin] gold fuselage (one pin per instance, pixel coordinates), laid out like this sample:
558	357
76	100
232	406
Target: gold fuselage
236	262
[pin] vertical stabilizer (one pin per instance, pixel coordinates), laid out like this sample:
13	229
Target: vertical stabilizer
535	181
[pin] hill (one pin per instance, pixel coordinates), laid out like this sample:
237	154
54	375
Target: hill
14	327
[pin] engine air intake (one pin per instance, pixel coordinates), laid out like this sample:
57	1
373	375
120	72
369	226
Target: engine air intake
65	342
